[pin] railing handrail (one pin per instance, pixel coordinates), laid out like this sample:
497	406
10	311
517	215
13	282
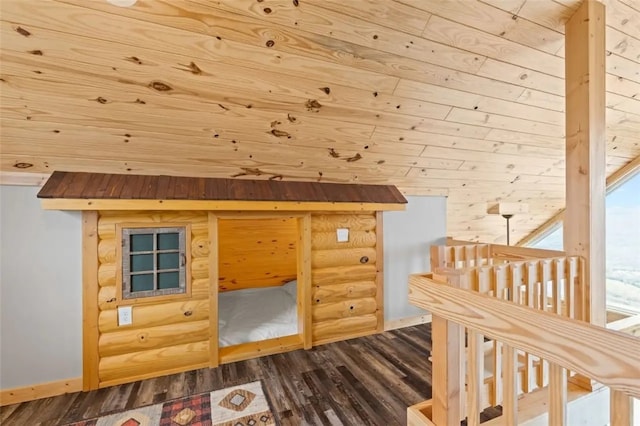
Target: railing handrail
499	250
609	357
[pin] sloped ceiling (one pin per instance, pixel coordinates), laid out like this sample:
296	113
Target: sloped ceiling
456	98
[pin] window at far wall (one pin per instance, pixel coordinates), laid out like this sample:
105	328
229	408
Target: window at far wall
153	261
622	246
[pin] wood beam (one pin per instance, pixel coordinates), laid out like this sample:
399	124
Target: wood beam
584	225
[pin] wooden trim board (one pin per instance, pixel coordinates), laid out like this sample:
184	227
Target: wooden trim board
407	322
90	291
379	271
420	414
304	280
250	350
344	338
214	359
228	205
41	390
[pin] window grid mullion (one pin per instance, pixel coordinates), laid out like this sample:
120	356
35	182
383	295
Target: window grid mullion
155	261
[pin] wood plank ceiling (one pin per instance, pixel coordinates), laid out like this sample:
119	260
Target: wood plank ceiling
459	98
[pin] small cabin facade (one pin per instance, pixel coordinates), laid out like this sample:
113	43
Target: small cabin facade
161	274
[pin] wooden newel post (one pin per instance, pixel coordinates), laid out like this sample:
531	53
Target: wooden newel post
447	360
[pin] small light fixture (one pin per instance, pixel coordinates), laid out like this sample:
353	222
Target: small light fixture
122	3
507	210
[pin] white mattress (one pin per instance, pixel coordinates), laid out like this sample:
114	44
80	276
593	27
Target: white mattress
255	314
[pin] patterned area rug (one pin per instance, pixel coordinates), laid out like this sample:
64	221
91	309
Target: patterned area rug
244	405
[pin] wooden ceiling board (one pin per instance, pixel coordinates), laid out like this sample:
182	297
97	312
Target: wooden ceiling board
459	98
493	21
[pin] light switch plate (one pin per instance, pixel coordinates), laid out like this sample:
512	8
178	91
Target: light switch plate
125	315
343	235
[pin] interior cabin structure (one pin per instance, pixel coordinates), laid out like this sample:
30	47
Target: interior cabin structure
194	185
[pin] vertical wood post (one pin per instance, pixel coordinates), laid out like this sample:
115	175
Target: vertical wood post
475	377
90	360
214	353
584	223
446	372
448	381
557	395
621	409
304	280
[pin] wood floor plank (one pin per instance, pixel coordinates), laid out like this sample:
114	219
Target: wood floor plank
365	381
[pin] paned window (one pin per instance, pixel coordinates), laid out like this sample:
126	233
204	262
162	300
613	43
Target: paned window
153	262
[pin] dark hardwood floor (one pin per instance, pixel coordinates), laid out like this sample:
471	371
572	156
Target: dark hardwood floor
366	381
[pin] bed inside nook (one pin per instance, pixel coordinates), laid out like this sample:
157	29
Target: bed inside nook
258	291
182	273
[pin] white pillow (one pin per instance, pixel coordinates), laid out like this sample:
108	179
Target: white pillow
291	288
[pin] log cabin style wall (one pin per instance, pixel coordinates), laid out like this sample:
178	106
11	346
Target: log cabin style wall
167	334
346	276
231	243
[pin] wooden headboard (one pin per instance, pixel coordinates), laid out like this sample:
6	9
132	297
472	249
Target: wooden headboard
256	252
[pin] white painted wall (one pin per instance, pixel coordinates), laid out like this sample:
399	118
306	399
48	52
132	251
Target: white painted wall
407	237
40	291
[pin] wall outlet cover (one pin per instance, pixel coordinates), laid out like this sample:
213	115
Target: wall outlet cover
343	235
125	315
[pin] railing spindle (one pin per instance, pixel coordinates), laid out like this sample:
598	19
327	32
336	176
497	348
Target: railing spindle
621	409
557	291
475	377
531	284
557	395
510	383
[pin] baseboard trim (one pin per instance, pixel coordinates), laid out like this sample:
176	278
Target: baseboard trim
42	390
407	322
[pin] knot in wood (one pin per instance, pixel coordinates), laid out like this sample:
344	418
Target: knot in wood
160	86
364	259
188	313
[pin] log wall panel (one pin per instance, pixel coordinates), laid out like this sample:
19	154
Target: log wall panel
166	334
342	274
154	362
155	315
351	290
329	223
343	328
327	240
342	257
134	340
344	309
344	277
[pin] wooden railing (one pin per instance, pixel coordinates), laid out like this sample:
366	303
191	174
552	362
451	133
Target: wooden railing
551	285
608	357
462	254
